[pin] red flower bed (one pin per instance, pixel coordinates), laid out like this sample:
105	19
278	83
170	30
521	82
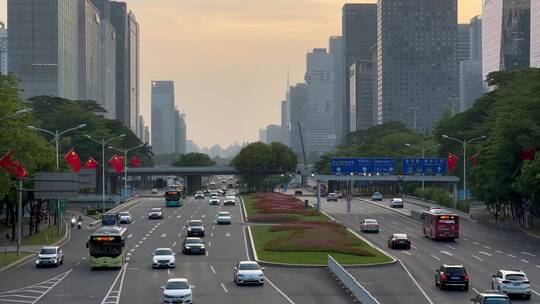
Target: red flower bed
270	203
274	218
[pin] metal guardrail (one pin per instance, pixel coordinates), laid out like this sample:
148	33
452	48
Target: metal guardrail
350	282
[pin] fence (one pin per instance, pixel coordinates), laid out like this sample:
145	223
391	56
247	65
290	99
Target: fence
350	282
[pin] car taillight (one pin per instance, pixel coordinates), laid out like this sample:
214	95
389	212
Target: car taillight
443	277
466	277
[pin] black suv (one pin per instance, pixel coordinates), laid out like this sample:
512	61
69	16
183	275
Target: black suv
451	275
195	228
490	297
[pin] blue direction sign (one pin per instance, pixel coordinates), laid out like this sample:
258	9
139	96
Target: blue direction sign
363	165
424	166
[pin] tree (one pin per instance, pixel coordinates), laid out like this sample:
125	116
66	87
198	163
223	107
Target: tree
194	159
257	161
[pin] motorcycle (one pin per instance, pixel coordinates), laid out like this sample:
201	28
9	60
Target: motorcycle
73	223
79	225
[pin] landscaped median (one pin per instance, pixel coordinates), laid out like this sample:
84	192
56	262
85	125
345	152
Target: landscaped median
299	236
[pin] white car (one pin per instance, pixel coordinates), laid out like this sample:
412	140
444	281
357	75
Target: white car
177	291
214	200
223	218
154	191
50	256
369	225
229	200
124	217
396	203
248	272
163	258
512	282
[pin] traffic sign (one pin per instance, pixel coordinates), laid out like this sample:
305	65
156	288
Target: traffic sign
362	165
424	166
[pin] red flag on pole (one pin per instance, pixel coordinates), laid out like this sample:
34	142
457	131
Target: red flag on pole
11	166
73	159
117	162
452	161
527	154
90	163
135	162
474	160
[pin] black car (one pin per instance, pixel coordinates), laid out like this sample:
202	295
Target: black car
195	228
297	192
399	240
193	245
451	276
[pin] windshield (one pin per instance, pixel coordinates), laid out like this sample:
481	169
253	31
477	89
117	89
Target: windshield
105	249
497	300
124	213
371	222
455	271
163	252
193	241
515	277
155	210
48	251
197	223
249	267
224	214
177	285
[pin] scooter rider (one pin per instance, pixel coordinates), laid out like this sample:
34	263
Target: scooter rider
73	221
79	222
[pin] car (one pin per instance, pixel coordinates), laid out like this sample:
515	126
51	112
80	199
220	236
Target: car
155	214
214	193
339	194
490	297
50	256
177	291
377	196
450	275
399	240
223	218
512	282
193	245
297	192
332	197
248	272
124	217
199	195
396	203
195	228
229	200
163	258
154	191
206	192
214	200
369	225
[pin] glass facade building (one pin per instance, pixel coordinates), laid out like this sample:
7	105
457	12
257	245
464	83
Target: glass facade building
163	117
3	49
535	33
89	51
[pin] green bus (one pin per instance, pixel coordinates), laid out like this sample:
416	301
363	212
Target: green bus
173	198
108	247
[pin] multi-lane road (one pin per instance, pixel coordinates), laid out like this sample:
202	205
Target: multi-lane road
137	282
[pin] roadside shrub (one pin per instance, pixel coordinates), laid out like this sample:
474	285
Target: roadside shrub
274	218
276	203
441	197
91	211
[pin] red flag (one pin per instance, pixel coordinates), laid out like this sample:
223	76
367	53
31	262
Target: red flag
73	159
528	154
452	161
117	162
474	160
13	167
90	163
135	162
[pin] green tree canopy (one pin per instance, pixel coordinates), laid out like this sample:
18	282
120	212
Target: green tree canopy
194	159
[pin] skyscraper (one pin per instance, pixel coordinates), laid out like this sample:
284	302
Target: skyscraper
163	117
506	35
107	68
273	133
3	49
286	121
463	51
336	49
535	34
361	95
180	133
359	28
45	64
470	71
88	51
476	38
417	75
133	55
299	102
262	135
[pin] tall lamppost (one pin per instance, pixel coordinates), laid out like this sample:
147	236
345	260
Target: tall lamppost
126	151
423	150
103	142
464	144
18	113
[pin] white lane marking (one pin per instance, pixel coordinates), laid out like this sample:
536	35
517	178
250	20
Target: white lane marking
142	217
174	244
206	252
487	247
407	253
485	253
179	216
446	252
245	243
140	242
453	248
511	255
528	253
184	228
525	261
113	296
84	258
164	235
129	236
168	271
144	238
132	249
213	270
535	292
394	223
209	243
78	263
147	235
480	259
281	292
476	243
213	227
211	234
137	245
127	259
537	266
410	229
224	288
498	251
228	234
412	246
204	215
169	216
475	290
129	253
436	258
133	222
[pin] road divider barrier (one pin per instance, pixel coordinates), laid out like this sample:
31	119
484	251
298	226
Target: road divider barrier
350	282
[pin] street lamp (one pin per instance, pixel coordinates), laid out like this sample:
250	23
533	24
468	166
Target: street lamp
103	142
125	151
423	150
464	144
18	113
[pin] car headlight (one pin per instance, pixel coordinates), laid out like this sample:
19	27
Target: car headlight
188	247
189	229
261	275
154	260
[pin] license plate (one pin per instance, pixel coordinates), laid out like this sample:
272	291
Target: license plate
455	278
517	284
402	242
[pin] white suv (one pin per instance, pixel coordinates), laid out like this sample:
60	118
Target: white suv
125	217
396	203
513	282
50	256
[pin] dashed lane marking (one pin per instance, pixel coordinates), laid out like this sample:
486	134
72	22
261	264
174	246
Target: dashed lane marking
476	243
412	246
480	259
525	261
465	239
511	255
206	252
115	291
144	238
164	235
528	253
498	251
453	248
132	249
535	292
446	252
407	253
209	243
537	266
224	288
33	293
487	247
485	253
174	244
436	258
213	270
129	236
475	290
180	234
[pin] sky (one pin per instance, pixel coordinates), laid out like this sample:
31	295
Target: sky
229	58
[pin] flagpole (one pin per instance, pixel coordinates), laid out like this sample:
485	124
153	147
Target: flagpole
126	151
19	217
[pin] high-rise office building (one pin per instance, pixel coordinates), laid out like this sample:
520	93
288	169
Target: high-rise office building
463	51
359	28
299	101
180	133
119	20
3	49
133	51
107	68
273	133
535	33
361	95
417	75
42	46
89	51
286	121
146	137
470	71
475	28
336	49
506	35
262	136
140	127
163	117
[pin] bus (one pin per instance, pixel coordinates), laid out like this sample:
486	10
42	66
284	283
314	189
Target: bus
440	224
107	247
173	198
172	181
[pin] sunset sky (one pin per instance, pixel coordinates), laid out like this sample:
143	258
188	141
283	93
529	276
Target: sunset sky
229	58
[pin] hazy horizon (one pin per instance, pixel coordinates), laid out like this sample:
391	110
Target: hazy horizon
229	59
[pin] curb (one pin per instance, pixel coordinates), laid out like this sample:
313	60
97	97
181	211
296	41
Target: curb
407	216
530	234
26	259
461	214
126	205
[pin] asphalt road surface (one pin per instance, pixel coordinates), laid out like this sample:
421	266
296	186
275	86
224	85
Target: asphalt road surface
137	282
